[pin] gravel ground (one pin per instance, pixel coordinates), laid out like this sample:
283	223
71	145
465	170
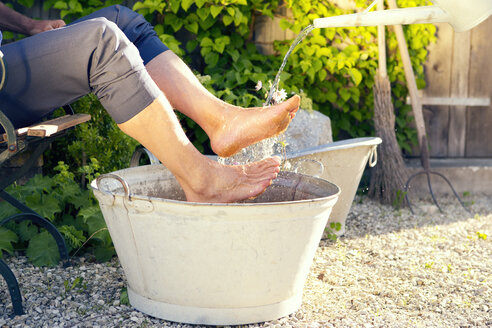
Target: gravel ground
391	269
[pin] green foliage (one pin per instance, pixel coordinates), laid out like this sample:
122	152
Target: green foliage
42	250
399	201
70	207
481	235
332	229
7	238
124	300
100	140
334	68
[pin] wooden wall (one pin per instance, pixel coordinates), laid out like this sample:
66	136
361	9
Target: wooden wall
459	66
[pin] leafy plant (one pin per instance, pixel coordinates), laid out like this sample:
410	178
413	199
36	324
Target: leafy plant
70	207
124	300
99	139
78	283
7	238
481	235
331	230
400	199
429	265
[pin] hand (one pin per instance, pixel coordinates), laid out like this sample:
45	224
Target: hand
39	26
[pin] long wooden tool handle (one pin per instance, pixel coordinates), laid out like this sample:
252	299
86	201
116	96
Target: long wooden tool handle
410	77
381	44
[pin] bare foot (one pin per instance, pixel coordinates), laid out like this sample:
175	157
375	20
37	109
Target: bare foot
228	184
240	128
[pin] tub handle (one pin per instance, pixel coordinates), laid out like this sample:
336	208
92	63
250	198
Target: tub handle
299	163
134	162
122	181
373	157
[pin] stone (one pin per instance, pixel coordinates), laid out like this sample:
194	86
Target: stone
308	129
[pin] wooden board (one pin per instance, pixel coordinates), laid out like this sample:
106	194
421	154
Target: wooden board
50	127
479	119
438	76
268	30
459	88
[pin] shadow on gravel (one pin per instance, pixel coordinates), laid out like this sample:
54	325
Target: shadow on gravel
368	217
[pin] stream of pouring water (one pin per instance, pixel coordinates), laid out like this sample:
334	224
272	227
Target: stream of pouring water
271	146
297	40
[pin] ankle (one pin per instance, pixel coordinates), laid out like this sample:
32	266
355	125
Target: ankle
200	180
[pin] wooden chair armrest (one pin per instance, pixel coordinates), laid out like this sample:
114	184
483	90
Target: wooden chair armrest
50	127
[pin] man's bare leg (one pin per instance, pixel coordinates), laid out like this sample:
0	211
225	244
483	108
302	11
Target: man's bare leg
203	180
230	128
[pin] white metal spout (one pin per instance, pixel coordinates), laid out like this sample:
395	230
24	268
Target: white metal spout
460	14
402	16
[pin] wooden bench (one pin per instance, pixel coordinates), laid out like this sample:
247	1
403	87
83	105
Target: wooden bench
37	139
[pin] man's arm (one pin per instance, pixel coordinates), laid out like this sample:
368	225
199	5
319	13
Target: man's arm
15	22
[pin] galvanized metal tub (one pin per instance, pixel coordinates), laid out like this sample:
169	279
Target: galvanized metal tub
342	162
218	264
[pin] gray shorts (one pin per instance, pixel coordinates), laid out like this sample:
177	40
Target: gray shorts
54	68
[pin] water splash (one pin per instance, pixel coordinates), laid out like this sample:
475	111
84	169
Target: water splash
272	146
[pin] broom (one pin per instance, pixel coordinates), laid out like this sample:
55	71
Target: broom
389	176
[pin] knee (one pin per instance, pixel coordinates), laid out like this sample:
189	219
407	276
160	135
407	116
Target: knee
107	39
106	29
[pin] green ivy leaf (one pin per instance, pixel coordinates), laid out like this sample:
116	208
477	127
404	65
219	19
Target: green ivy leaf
311	73
322	74
285	24
173	21
207	23
221	43
234	55
171	42
345	94
238	16
7	237
206	42
192	27
42	250
355	75
200	3
60	5
175	4
203	13
356	114
191	45
186	4
227	20
215	10
26	3
211	59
